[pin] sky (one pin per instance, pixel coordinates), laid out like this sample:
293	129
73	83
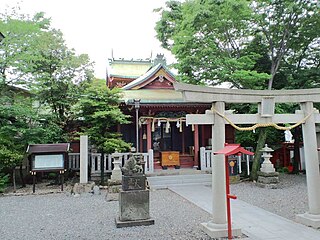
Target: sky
96	27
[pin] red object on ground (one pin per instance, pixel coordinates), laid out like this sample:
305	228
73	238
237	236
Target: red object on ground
230	149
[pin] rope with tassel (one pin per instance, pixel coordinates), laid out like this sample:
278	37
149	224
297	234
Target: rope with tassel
271	124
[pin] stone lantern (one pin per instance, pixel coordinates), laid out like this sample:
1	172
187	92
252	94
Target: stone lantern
267	176
267	166
116	174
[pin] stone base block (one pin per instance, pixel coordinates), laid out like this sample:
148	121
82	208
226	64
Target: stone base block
81	188
134	205
268	174
234	179
268	180
219	231
269	186
145	222
309	220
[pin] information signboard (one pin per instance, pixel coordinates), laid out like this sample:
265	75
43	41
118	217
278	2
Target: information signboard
48	162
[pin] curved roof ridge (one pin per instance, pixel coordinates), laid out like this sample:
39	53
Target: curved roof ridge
145	76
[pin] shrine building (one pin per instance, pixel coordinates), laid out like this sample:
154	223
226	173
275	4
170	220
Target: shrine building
148	90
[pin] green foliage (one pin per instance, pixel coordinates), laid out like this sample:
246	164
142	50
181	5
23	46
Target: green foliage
267	44
209	40
4	179
258	44
34	55
99	110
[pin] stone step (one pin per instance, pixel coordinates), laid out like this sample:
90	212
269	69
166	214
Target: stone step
158	182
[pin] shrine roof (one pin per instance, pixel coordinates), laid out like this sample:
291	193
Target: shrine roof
153	96
129	68
48	148
147	75
232	149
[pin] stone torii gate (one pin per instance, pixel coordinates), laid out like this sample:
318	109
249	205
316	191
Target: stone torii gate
266	99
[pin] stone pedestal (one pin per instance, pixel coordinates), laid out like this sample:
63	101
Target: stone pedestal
134	201
310	220
219	230
83	188
134	209
268	180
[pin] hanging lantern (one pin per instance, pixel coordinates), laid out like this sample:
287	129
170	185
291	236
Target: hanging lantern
178	124
180	127
159	123
152	125
167	127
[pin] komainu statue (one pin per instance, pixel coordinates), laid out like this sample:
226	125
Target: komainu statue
132	166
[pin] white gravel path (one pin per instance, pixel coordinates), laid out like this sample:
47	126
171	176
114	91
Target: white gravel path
58	216
63	216
289	199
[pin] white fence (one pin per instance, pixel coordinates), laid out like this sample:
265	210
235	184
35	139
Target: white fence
206	160
95	161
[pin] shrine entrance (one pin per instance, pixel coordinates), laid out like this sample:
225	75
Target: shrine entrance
218	117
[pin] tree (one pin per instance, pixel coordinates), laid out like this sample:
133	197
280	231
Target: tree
20	125
17	48
99	109
36	56
208	40
289	29
256	48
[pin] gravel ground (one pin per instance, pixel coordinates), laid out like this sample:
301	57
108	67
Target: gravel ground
63	216
59	216
289	199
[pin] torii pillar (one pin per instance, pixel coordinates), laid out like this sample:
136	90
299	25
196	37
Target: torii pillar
217	226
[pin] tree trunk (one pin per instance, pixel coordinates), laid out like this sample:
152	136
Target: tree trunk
14	179
296	150
23	183
256	160
102	169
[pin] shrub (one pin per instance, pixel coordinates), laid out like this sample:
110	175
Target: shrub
4	179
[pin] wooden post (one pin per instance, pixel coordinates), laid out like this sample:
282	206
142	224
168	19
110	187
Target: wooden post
196	147
149	136
33	181
62	179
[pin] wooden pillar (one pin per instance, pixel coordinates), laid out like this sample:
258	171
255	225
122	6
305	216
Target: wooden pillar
196	147
183	141
140	139
149	136
203	141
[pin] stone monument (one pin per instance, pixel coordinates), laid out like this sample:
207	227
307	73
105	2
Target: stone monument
134	199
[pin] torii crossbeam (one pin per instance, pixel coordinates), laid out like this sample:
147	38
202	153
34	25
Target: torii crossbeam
266	99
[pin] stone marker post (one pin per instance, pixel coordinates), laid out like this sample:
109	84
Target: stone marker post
84	159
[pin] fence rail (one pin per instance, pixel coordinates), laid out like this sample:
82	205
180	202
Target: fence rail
95	161
206	160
